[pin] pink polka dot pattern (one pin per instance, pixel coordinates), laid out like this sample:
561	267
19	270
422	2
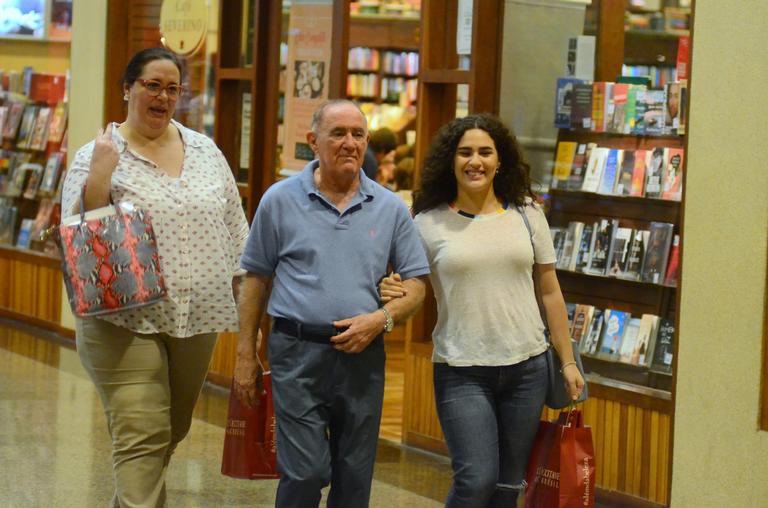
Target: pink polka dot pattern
200	228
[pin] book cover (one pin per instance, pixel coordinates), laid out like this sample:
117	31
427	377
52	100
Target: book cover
614	326
619	253
564	101
58	123
639	127
673	113
657	252
635	256
683	108
581	108
629	342
24	233
619	117
15	112
611	171
602	247
7	221
598	106
51	173
579	166
683	57
570	309
582	319
17	180
624	181
663	349
558	240
630	115
643	350
655	112
670	279
580	61
654	172
637	188
571	248
39	136
672	188
595	167
33	180
3	117
585	247
26	126
607	105
566	151
591	342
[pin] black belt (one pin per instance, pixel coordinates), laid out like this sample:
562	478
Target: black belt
312	333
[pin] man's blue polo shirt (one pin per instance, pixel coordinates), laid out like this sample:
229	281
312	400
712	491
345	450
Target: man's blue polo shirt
326	264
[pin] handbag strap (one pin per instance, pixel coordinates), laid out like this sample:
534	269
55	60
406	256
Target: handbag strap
535	288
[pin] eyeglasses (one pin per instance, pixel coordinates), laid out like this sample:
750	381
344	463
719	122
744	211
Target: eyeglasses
155	88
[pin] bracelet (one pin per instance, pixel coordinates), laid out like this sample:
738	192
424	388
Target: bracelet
565	365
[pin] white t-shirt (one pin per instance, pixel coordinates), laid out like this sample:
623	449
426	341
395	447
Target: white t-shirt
482	278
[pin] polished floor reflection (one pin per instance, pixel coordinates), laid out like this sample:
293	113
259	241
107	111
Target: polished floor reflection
54	447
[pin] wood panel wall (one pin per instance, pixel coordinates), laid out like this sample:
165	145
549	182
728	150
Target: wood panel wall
31	287
631	435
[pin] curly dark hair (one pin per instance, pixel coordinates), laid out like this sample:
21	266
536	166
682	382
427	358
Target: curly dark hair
438	181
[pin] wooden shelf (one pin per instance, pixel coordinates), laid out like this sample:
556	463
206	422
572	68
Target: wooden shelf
384	32
236	73
589	205
29	256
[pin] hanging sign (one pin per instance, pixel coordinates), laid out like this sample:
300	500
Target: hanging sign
307	70
183	24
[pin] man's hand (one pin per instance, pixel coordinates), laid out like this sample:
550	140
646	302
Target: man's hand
248	383
359	332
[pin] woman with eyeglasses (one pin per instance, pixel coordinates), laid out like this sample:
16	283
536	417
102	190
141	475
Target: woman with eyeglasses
149	364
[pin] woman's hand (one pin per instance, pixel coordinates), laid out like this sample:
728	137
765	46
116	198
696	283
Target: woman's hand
574	381
105	155
391	287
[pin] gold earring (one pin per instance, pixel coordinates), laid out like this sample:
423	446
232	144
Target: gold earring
125	97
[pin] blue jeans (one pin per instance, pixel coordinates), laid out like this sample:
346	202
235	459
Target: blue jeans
328	410
489	416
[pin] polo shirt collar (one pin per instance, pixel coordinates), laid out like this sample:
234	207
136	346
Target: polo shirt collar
365	192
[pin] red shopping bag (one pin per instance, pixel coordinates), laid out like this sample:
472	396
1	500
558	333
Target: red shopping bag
249	440
561	469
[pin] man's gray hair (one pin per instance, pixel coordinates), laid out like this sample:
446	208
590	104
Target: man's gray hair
317	116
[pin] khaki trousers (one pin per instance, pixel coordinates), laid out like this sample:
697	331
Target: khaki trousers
148	384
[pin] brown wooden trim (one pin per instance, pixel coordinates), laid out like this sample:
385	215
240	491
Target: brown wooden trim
65	332
425	442
630	394
764	408
609	53
444	76
29	256
337	83
30	320
236	74
485	86
117	49
615	498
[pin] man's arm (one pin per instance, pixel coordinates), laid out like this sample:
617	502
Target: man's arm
361	330
253	293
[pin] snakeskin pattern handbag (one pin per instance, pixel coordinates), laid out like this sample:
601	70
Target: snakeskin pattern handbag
109	260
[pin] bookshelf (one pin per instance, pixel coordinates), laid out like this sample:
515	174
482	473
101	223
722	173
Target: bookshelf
383	67
33	123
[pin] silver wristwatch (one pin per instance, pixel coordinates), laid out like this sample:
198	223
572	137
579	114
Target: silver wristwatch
389	323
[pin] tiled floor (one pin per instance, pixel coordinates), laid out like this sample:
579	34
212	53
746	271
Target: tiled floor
54	448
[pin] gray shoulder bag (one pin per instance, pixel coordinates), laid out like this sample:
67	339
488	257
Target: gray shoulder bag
557	392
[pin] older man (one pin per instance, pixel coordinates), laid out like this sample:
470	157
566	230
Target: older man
323	240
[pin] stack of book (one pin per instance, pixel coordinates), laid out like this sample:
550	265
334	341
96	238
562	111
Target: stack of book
587	167
604	248
614	335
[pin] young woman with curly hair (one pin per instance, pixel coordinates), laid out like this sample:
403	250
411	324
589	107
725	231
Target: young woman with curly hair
489	364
